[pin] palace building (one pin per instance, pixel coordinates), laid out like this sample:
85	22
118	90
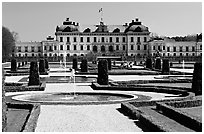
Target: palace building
131	39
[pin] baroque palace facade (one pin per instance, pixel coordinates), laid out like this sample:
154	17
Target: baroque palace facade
130	39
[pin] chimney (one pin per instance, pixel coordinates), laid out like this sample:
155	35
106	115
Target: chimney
67	19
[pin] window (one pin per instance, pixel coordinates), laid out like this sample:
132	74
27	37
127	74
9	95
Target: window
181	54
26	55
55	47
145	47
88	47
138	39
159	48
111	48
75	39
61	39
95	48
68	55
154	47
81	47
68	48
33	55
75	47
88	39
117	39
132	39
138	47
110	39
50	55
19	49
103	48
102	39
39	49
26	49
163	54
168	54
81	39
61	47
45	55
123	47
186	54
95	39
68	39
187	49
164	47
50	48
193	54
45	48
174	54
180	49
174	49
32	49
117	47
168	49
145	39
61	55
123	39
19	55
193	49
200	47
55	55
132	47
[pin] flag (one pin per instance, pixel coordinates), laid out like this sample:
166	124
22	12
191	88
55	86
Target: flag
100	10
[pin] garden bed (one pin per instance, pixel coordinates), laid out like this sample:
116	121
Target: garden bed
22	117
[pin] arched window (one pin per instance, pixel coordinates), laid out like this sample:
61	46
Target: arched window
82	54
111	48
45	55
103	49
75	54
95	48
68	55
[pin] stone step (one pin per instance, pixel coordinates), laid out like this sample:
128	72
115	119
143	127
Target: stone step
158	122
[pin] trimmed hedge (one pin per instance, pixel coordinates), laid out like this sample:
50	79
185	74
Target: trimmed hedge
84	66
4	106
158	63
42	66
13	65
75	64
165	66
34	78
197	79
189	121
149	63
102	72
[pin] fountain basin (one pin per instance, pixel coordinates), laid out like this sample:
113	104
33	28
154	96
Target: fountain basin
75	98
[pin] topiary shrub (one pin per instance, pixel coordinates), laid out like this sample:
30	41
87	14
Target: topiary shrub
102	72
74	66
158	63
165	66
46	64
13	65
4	106
34	78
197	79
149	63
42	66
84	66
109	64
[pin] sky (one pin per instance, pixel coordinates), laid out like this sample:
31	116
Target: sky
34	21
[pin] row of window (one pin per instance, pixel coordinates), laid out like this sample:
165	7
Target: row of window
175	48
138	47
117	39
32	49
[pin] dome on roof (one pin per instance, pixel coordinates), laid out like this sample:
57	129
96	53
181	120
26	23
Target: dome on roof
117	30
69	28
87	30
136	28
